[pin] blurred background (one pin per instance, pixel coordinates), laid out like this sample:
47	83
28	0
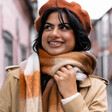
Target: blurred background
17	34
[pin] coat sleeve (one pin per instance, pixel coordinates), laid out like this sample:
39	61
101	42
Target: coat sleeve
97	104
76	105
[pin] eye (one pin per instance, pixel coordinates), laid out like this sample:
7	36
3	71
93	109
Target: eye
64	27
47	27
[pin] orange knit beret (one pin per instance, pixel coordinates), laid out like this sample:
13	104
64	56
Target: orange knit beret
74	7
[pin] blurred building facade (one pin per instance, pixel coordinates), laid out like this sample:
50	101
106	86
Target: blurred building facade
101	38
16	27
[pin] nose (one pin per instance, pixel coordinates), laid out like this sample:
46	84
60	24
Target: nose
55	33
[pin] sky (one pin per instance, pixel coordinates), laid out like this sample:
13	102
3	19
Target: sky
95	8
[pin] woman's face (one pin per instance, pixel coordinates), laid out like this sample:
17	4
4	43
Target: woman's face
57	38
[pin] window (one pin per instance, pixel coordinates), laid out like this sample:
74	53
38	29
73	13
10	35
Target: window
34	4
23	53
110	64
33	33
100	64
103	64
111	23
105	31
17	27
102	32
111	60
106	64
98	33
8	49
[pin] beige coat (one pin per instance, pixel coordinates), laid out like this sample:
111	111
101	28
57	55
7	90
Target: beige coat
92	98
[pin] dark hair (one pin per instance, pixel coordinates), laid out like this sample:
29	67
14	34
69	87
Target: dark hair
81	37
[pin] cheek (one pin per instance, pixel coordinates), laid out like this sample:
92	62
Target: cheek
71	41
44	37
70	37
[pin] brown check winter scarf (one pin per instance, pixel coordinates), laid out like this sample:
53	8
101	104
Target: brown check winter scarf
31	99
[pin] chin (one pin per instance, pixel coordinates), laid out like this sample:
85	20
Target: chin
56	53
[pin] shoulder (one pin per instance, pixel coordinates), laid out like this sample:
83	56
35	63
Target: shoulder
98	80
10	68
96	88
13	71
92	81
11	81
98	83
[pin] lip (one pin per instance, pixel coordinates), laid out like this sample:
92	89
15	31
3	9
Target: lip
55	43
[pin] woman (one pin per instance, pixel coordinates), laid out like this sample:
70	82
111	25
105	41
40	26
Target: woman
58	78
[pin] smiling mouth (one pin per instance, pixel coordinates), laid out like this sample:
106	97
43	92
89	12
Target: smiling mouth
55	44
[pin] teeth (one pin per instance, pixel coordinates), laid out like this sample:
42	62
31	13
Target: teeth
55	43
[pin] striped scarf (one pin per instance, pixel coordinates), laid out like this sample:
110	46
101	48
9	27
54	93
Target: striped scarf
31	99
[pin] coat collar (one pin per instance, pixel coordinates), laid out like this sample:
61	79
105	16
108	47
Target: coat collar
16	73
86	83
15	70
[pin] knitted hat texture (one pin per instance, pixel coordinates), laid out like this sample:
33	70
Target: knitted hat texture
74	7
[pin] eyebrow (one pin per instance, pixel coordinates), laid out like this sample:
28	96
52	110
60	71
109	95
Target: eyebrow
58	24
